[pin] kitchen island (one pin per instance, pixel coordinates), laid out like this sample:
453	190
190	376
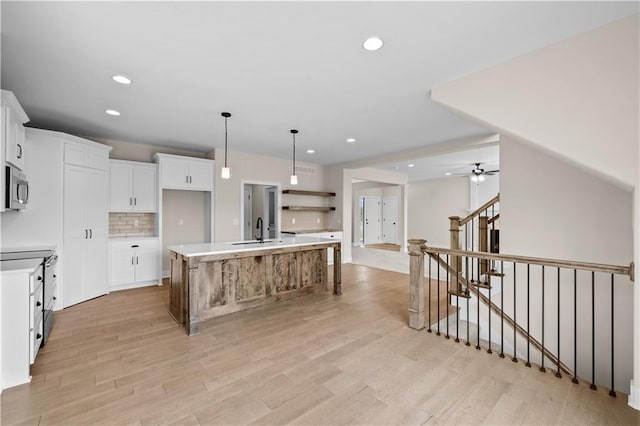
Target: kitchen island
213	279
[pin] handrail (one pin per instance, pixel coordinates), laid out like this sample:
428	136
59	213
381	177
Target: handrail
498	311
480	209
596	267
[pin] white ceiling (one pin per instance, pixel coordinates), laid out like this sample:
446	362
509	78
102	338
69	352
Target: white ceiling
274	66
437	166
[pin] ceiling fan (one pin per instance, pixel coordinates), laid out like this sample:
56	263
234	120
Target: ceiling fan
478	174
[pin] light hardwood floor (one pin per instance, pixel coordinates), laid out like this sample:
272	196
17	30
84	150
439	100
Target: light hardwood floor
318	359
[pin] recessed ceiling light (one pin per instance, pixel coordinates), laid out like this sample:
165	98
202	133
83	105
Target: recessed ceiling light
310	151
448	174
411	165
372	43
121	79
112	112
351	140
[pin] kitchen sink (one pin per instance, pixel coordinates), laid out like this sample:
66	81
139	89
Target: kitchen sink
242	243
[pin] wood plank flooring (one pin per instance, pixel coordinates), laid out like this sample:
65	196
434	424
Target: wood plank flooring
318	359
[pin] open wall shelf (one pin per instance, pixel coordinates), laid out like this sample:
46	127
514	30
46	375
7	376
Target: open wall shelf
312	193
308	208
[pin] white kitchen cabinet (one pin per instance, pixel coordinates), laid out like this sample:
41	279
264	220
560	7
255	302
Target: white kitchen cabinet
21	331
177	172
13	133
85	227
133	263
134	186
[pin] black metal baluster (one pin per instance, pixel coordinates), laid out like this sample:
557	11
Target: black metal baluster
558	375
593	332
501	309
543	347
466	262
612	392
429	307
528	364
448	296
478	308
575	327
515	318
489	351
438	298
458	302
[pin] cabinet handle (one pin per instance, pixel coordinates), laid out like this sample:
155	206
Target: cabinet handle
39	278
86	234
187	177
55	298
90	233
20	151
135	201
38	304
135	246
38	336
136	260
132	260
55	276
130	201
190	179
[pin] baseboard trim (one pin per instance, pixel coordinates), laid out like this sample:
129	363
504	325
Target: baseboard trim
634	396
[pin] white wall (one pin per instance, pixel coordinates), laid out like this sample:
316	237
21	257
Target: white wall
40	224
552	209
257	168
183	220
431	203
577	98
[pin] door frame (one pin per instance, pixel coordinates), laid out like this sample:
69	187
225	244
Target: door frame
244	182
246	188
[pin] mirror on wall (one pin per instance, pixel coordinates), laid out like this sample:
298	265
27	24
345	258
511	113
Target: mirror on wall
260	201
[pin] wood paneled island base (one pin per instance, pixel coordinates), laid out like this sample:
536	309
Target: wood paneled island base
210	280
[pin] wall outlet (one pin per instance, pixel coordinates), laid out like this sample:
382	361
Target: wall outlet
180	222
317	220
293	220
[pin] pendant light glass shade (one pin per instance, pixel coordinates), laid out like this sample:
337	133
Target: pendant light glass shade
474	178
226	170
294	178
481	178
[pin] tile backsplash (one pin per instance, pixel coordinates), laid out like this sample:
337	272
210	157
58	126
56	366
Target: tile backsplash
137	224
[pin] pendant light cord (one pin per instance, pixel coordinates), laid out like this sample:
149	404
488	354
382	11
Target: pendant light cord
225	141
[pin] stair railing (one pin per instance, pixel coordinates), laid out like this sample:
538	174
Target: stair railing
523	274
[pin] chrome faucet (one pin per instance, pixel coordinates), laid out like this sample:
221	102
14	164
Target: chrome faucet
260	226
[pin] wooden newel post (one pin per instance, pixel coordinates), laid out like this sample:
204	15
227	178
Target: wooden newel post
416	284
456	263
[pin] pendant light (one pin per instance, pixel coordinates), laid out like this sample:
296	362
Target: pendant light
226	171
294	178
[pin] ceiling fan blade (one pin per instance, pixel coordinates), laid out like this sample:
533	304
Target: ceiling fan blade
491	171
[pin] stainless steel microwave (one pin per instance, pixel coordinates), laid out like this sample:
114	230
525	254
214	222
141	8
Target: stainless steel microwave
17	193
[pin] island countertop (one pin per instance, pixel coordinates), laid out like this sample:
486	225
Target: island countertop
204	249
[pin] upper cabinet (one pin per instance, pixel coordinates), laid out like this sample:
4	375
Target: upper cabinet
13	134
177	172
134	186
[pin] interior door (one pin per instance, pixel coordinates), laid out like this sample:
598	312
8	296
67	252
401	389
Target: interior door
372	220
76	233
97	248
246	216
271	210
390	220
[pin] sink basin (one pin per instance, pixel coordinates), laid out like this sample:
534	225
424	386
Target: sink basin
242	243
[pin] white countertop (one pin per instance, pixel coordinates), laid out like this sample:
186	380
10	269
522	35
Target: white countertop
203	249
20	266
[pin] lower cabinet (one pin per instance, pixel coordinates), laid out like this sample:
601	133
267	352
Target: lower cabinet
133	263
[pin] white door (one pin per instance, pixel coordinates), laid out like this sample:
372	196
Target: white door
390	220
145	189
271	210
97	249
246	216
372	220
76	233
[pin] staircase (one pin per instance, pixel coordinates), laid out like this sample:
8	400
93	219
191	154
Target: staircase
522	308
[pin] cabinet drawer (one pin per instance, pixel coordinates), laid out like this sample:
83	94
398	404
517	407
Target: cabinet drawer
35	340
35	280
36	301
122	245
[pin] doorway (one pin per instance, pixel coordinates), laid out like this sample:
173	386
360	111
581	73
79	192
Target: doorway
260	200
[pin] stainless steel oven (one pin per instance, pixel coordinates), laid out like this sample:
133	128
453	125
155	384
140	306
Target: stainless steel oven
17	191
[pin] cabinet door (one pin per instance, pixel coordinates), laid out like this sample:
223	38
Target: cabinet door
121	187
75	235
201	176
147	265
122	267
173	174
73	271
14	139
97	203
145	189
95	267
